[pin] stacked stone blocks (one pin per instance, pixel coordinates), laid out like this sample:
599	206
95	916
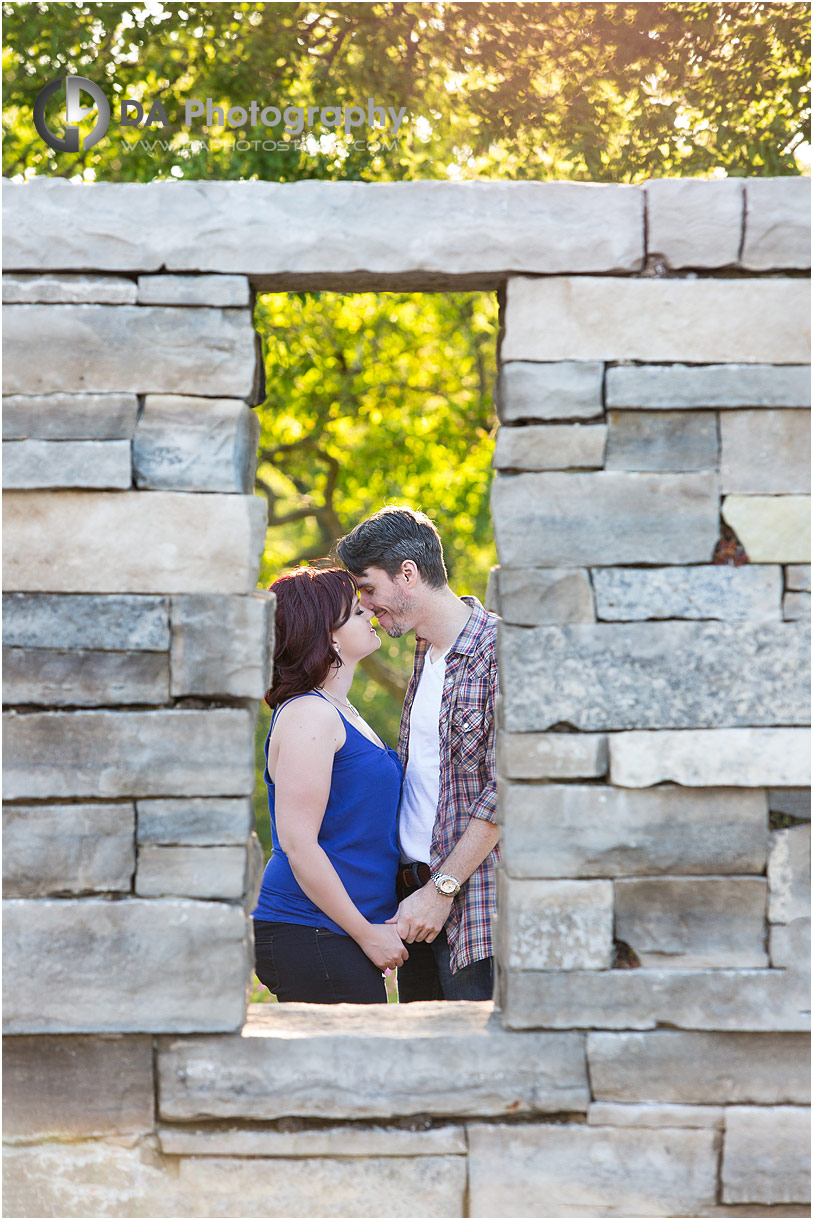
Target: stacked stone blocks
654	700
135	649
651	748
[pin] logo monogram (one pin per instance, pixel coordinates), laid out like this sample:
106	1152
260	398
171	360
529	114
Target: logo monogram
74	113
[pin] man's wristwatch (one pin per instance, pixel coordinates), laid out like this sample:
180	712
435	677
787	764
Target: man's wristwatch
447	885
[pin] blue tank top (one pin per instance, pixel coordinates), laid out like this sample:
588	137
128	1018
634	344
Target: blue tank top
358	834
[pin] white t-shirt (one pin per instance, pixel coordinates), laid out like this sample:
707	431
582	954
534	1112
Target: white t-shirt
419	799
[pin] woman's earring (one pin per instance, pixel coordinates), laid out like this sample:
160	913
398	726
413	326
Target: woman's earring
337	646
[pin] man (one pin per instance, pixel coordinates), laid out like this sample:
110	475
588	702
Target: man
447	816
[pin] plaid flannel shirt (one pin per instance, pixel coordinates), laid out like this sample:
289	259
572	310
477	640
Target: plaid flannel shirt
468	786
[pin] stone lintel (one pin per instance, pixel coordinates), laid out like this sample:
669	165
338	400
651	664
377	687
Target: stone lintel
429	234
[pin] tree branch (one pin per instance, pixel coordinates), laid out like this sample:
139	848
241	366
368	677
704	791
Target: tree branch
386	677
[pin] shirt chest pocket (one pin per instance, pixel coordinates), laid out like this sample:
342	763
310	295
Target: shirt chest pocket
467	736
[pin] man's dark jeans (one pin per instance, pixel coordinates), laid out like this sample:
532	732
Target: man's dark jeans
426	975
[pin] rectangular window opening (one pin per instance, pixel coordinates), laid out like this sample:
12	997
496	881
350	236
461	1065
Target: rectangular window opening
372	399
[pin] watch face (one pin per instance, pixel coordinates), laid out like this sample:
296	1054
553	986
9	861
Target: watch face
447	886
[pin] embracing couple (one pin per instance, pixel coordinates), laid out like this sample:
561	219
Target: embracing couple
381	860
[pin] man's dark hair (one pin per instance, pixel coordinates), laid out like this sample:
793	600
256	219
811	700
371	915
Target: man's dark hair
390	536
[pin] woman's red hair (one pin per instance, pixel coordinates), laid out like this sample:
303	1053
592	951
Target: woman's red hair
311	603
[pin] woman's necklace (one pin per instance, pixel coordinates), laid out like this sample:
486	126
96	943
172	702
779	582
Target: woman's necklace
340	702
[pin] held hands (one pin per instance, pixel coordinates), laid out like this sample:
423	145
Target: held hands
383	946
422	915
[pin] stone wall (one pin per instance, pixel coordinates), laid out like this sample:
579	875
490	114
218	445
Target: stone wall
646	1053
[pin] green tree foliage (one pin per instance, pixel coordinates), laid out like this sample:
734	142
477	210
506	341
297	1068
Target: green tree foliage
609	92
376	399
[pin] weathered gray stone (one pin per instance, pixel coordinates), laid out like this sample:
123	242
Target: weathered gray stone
109	754
796	606
697	758
53	849
748	1210
695	223
662	440
75	1086
491	601
327	1141
777	223
752	592
86	1178
219	290
789	945
797	577
699	1068
101	1179
69	417
728	1000
693	922
53	289
222	645
789	874
565	390
254	870
551	755
128	542
142	966
773	529
607	1114
587	830
765	452
339	235
196	444
656	387
140	349
564	1170
36	463
550	447
555	925
371	1061
766	1154
533	596
792	801
190	872
657	675
196	822
52	677
117	623
604	518
753	321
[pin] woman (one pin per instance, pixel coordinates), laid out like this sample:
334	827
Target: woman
333	790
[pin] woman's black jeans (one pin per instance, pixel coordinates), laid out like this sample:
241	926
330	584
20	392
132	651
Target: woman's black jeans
305	965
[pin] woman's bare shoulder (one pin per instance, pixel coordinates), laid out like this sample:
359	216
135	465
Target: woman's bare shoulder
305	712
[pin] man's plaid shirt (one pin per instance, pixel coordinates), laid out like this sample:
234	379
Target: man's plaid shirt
468	786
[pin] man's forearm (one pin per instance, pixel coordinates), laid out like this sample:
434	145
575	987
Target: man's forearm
477	841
